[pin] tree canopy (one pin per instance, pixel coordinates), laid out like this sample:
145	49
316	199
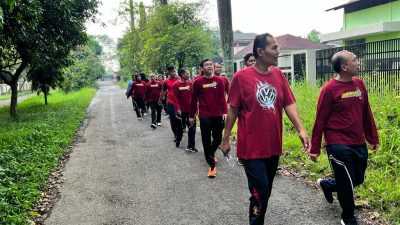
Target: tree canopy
39	34
172	34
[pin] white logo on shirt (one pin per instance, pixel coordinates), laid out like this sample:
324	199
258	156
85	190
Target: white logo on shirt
266	95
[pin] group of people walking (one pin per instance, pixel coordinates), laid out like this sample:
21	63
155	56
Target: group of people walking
256	98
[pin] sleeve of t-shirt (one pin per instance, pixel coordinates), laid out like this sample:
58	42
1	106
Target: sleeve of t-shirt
370	131
227	85
322	114
288	96
175	89
235	97
193	102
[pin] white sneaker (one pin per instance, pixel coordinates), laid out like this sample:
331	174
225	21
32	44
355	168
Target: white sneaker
159	124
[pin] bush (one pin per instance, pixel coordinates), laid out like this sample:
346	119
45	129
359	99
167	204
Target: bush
31	147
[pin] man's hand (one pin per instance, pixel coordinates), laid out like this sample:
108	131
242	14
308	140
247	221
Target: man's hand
374	147
178	114
225	146
305	140
312	156
191	122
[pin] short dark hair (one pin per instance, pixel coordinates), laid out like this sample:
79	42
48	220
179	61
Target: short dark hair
260	41
170	68
181	71
203	61
337	61
247	57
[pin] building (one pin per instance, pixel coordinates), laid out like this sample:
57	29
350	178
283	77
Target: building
367	21
296	59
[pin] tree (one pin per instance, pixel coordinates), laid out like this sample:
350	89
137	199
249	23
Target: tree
314	36
225	27
85	69
39	32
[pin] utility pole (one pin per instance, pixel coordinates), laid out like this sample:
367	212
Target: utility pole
225	28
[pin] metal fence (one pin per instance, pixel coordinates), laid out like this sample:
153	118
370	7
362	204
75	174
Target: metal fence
380	65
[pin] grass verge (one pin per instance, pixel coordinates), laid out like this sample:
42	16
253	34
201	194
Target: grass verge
31	146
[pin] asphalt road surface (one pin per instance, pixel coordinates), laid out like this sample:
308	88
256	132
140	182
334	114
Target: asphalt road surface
123	172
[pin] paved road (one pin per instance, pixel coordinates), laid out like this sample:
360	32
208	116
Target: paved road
122	172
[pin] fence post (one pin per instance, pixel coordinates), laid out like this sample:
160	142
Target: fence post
311	67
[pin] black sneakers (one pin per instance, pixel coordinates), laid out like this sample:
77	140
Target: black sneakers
153	125
328	194
191	149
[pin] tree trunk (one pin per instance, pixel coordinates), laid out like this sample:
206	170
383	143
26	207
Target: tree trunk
132	15
225	27
45	97
14	88
14	99
164	2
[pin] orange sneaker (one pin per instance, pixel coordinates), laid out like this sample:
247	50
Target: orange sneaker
212	173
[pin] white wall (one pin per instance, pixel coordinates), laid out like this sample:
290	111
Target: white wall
5	89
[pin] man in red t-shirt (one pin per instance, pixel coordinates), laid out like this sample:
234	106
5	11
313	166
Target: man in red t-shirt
183	92
209	98
153	97
344	117
249	60
171	101
257	97
218	73
138	95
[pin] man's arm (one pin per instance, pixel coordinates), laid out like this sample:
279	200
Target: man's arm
291	112
230	121
370	131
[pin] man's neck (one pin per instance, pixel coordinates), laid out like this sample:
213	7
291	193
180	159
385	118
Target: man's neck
344	77
208	76
262	67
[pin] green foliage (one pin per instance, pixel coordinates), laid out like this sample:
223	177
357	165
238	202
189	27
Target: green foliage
37	37
381	189
314	36
31	147
86	67
172	34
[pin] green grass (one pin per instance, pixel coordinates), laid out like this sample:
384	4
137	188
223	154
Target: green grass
31	146
381	189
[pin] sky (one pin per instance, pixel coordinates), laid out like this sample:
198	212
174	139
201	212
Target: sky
278	17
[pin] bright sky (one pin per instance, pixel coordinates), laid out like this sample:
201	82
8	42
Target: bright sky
297	17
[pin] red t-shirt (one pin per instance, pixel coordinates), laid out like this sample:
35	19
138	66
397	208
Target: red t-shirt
168	86
343	115
226	83
139	89
153	91
183	94
209	93
260	99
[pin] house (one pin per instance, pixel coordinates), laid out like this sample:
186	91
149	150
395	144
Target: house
367	21
296	59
